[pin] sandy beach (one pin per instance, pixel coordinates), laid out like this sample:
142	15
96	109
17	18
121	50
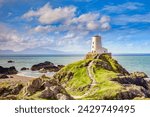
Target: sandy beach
17	78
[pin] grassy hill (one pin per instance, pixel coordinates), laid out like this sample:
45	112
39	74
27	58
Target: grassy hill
96	77
77	82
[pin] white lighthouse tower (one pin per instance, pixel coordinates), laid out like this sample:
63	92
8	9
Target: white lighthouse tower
97	45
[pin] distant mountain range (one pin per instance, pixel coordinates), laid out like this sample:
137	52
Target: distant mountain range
33	51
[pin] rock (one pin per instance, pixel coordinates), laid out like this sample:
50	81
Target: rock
10	61
135	86
24	68
60	66
134	81
48	84
56	89
2	90
102	64
133	91
46	67
91	55
8	71
138	75
41	65
52	69
48	94
3	76
33	86
10	90
116	67
61	96
16	89
42	70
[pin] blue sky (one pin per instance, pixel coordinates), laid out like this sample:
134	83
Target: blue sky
68	25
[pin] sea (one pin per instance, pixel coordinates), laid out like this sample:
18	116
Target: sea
131	62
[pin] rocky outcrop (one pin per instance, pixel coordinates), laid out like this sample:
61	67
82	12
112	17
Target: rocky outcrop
33	86
46	67
10	61
60	66
47	88
138	75
135	86
10	90
102	64
108	62
41	65
24	68
133	91
8	71
3	76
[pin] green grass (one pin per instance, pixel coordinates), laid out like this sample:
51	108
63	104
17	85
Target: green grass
78	84
105	89
5	84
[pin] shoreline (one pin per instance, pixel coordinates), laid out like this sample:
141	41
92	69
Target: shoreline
17	78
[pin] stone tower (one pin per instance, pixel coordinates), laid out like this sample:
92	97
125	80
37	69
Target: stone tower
97	45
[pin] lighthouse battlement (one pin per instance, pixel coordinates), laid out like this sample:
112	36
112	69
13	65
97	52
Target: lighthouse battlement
96	46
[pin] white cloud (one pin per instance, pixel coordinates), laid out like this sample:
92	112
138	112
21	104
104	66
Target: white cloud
49	15
93	25
105	26
104	19
41	28
66	19
72	42
85	22
10	39
8	35
85	18
139	18
122	7
105	23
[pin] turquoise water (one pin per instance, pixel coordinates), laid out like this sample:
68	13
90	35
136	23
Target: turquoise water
130	62
29	60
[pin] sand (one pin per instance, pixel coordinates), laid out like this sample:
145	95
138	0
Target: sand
17	78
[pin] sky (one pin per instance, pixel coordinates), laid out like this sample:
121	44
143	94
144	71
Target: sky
68	25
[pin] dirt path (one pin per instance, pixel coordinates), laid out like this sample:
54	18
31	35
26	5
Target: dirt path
93	81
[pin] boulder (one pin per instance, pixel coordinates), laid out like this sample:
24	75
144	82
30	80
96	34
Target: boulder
33	86
24	68
8	71
47	94
3	76
46	67
41	65
10	61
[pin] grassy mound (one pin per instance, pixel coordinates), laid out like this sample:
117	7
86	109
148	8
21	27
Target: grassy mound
76	81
